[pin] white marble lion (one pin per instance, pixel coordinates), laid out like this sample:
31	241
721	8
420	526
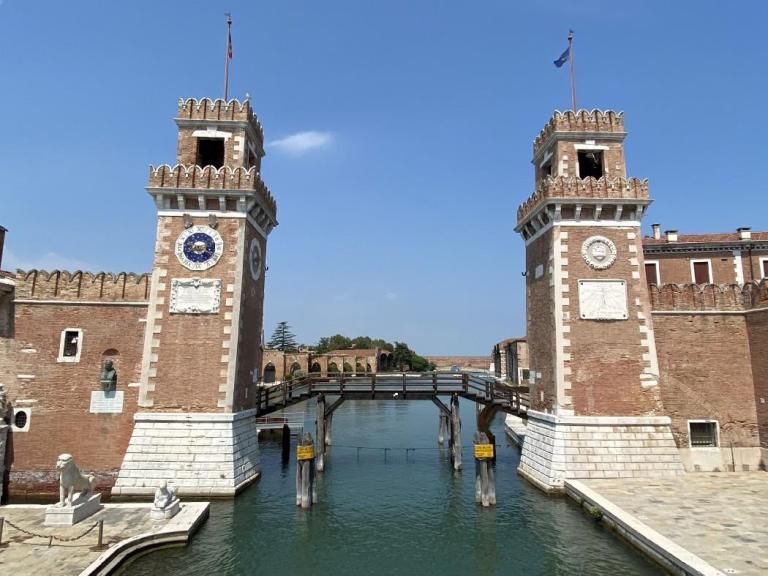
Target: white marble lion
71	480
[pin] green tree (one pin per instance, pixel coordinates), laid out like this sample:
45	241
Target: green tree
282	338
405	359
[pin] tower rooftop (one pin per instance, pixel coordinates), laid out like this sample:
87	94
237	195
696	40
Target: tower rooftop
194	111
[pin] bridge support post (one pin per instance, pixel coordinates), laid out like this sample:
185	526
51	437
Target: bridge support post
306	491
455	433
286	442
442	427
485	480
328	426
320	425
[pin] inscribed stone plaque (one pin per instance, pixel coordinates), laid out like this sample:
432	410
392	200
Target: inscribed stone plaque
195	295
106	402
603	299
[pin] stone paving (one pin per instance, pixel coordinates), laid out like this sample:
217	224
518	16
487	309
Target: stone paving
720	517
22	555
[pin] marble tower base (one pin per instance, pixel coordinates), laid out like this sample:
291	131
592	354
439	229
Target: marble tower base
201	454
557	448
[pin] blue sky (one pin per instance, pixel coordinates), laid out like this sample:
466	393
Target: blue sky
400	138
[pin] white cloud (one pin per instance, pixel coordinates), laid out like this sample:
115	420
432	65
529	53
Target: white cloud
302	142
49	261
390	296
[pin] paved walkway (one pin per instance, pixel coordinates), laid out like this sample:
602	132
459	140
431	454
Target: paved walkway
720	517
21	554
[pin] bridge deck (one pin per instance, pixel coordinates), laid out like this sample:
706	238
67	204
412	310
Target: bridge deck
386	386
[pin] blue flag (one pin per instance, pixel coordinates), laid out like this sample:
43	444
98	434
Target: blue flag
563	57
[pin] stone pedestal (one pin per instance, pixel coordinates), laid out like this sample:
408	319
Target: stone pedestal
165	513
81	509
201	454
557	448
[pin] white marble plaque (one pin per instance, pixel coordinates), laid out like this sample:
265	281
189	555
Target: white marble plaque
106	402
195	296
603	299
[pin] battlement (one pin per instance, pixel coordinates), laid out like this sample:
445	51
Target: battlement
571	187
181	177
81	286
218	110
581	121
709	297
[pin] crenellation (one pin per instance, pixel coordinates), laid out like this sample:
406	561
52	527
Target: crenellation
81	286
218	110
709	297
581	121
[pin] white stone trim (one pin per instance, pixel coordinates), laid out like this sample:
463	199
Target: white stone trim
708	312
201	213
704	421
82	302
559	281
212	132
241	254
76	357
709	268
193	416
591	147
658	270
738	267
583	223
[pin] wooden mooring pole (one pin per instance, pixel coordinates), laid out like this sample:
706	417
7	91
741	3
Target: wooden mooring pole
306	492
442	427
455	433
485	480
286	443
320	430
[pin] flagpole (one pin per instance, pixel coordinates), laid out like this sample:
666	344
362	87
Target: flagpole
573	72
227	54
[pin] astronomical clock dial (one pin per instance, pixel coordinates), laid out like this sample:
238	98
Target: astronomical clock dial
598	252
255	259
199	247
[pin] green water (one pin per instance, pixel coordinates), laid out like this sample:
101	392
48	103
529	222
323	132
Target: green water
407	515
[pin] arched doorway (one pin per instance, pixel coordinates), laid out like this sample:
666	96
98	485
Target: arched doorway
316	368
359	368
332	367
269	373
295	370
347	367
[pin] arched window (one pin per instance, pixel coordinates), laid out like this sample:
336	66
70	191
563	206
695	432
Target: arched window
269	373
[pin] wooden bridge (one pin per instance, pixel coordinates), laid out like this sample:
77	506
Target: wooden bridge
490	394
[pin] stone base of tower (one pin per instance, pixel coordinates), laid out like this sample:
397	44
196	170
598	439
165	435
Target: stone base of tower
559	448
203	455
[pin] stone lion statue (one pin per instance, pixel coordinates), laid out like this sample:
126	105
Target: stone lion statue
164	495
71	480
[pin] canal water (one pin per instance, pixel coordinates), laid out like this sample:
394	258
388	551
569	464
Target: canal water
395	512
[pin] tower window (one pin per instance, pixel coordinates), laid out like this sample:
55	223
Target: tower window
210	152
590	163
652	273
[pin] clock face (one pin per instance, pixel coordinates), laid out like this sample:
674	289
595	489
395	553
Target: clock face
199	247
255	259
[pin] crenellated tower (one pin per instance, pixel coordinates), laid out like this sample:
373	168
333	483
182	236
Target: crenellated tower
202	350
590	333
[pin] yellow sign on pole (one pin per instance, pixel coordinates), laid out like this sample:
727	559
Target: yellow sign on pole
483	450
305	452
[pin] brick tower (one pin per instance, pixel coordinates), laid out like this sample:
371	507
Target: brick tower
590	334
202	346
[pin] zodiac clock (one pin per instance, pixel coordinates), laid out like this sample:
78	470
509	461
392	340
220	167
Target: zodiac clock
199	247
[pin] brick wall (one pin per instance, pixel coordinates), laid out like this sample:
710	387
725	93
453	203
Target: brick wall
540	319
757	334
59	393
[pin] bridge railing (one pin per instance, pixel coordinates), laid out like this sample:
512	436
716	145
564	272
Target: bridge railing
481	388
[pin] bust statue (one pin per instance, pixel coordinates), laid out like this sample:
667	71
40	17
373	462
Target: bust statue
108	376
164	496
